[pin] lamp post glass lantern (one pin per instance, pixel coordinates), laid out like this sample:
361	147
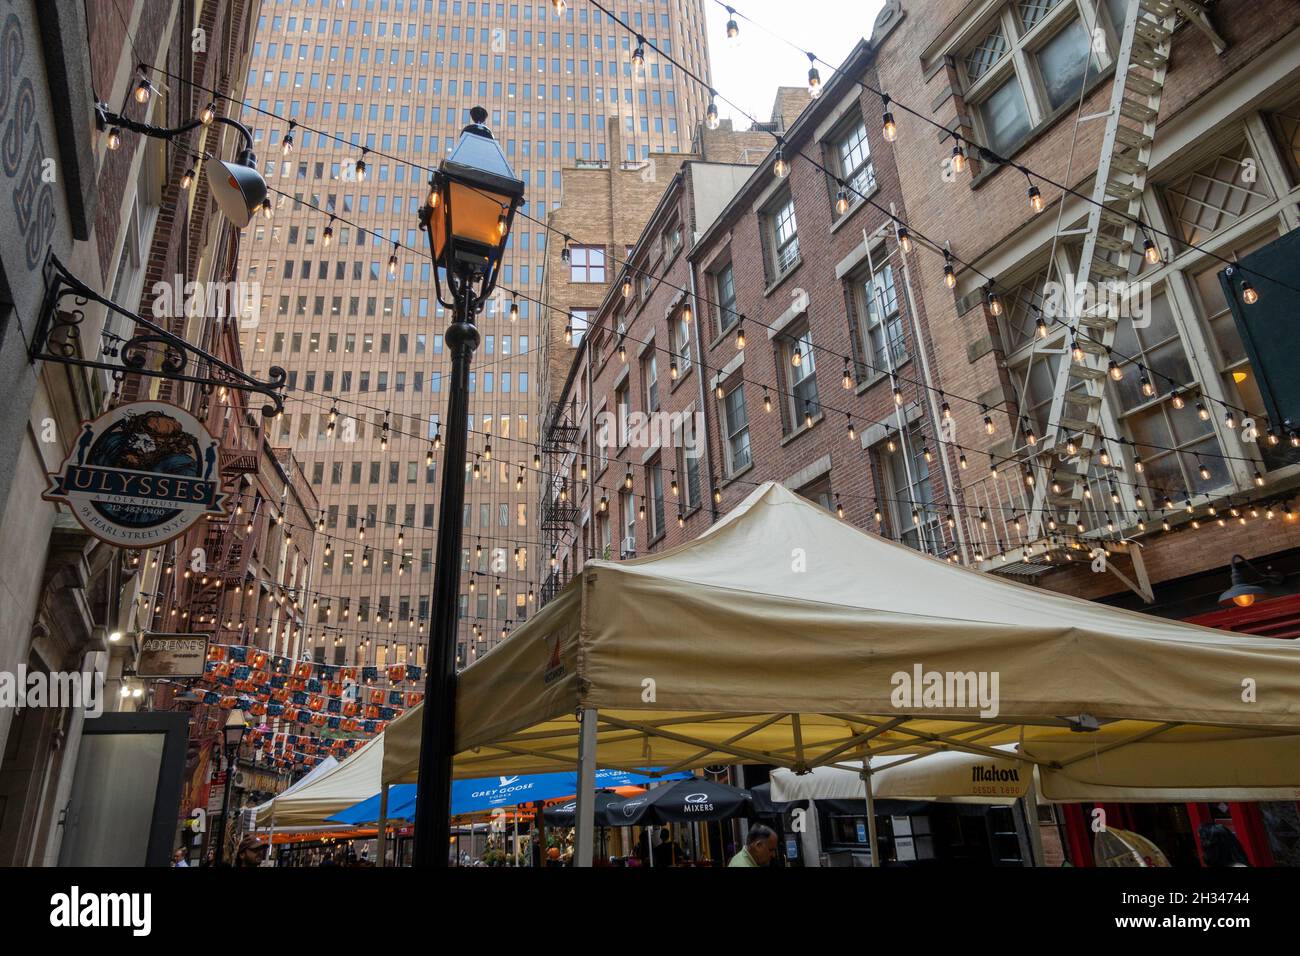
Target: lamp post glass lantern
468	214
232	736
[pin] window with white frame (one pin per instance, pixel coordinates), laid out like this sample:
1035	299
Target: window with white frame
1215	194
623	408
884	343
724	287
650	380
801	372
579	320
735	425
852	155
1285	122
627	504
688	465
819	492
682	338
907	488
655	490
1174	443
1030	60
783	236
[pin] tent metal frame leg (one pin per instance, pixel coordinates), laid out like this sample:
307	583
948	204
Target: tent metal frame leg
872	839
381	839
585	816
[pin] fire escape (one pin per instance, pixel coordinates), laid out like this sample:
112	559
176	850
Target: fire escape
1072	505
558	508
228	541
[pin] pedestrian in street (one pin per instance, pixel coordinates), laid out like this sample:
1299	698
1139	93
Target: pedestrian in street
667	853
249	853
1220	847
759	848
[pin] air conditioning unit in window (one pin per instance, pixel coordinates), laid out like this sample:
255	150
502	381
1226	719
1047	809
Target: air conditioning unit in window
629	548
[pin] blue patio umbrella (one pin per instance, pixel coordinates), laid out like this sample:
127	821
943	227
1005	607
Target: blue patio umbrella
486	793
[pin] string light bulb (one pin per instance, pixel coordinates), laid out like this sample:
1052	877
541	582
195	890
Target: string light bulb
958	157
209	114
904	239
995	303
711	115
187	180
780	168
888	128
814	78
1035	199
733	29
143	88
1248	293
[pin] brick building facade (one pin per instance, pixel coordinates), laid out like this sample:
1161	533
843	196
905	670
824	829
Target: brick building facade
947	383
640	304
119	221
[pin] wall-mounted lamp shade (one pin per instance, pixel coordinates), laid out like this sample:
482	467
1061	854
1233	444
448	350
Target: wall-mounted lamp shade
1242	594
477	188
239	189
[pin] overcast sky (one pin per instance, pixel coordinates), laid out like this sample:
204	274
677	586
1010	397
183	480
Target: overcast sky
749	74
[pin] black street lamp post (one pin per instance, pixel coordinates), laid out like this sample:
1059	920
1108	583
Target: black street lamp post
232	737
467	214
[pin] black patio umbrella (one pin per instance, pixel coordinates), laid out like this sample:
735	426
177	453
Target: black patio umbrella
681	802
566	814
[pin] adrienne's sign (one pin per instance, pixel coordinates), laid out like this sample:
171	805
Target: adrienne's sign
172	655
140	475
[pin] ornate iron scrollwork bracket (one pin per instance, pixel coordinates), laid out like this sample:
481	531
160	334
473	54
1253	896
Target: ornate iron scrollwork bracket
58	335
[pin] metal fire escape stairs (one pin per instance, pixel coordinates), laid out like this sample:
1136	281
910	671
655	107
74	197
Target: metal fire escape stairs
1073	434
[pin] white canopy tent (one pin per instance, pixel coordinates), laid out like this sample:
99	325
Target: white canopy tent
944	777
311	776
785	636
349	781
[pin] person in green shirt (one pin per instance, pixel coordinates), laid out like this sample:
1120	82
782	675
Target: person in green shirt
759	848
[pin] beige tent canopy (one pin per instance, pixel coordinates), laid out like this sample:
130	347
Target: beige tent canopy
354	779
945	777
1187	767
785	636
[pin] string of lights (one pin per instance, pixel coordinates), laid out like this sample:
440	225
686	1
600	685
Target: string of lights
889	102
906	235
1178	397
1049	515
